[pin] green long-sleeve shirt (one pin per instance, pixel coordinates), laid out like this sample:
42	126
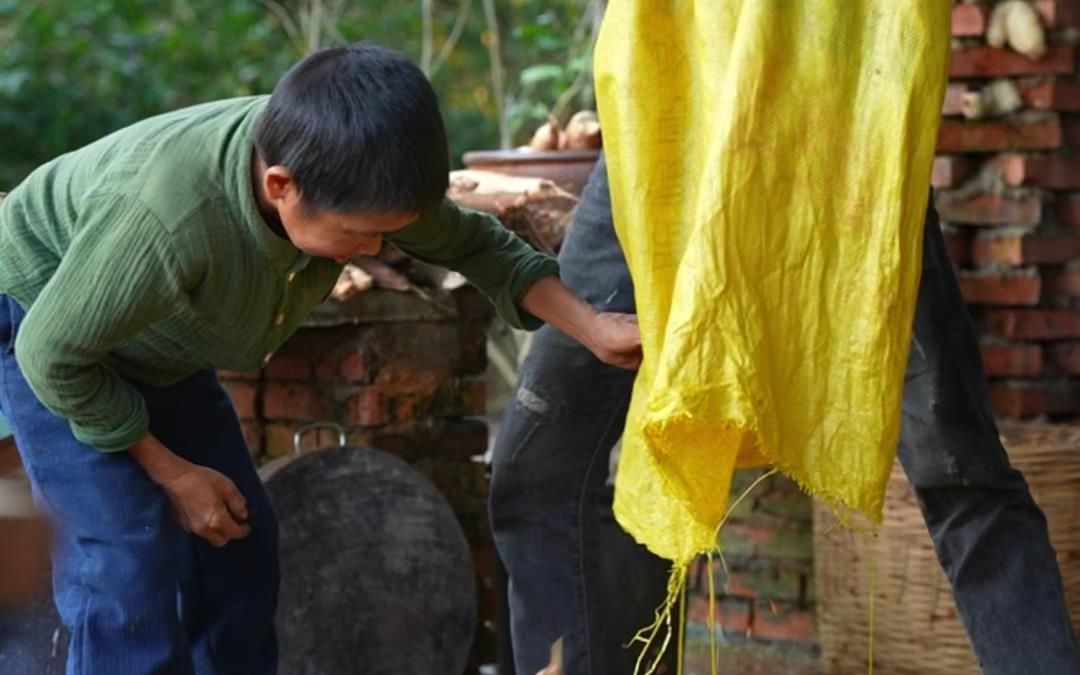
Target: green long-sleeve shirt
143	257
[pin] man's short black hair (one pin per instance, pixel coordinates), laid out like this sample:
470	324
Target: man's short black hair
360	130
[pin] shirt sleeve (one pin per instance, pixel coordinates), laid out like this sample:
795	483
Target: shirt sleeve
118	276
495	260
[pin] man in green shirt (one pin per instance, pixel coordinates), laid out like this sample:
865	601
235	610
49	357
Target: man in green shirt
200	239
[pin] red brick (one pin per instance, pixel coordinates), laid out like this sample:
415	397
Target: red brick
473	393
734	585
952	171
1033	324
989	209
1012	360
354	367
325	368
1052	172
1030	249
1071	129
1008	250
1037	94
405	380
409	407
297	402
360	438
1009	401
958	246
969	20
289	368
418	346
991	288
954	99
404	396
780	623
1060	95
1033	399
1068	210
472	356
243	395
1065	283
1065	358
987	61
253	436
279	439
455	400
368	408
744	538
1058	13
697	577
730	615
1044	133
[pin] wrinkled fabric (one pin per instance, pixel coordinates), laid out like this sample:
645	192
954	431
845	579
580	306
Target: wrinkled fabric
770	208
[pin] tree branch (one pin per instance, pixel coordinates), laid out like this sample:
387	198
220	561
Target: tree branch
591	17
314	25
464	9
497	73
427	46
286	21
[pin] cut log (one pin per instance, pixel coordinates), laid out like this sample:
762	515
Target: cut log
534	208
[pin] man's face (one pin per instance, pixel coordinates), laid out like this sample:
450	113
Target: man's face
329	234
339	236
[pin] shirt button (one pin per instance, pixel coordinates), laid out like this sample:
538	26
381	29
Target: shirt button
279	319
292	276
267	359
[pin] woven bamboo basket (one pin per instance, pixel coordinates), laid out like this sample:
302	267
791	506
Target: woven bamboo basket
916	627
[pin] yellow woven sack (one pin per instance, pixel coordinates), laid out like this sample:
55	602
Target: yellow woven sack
770	168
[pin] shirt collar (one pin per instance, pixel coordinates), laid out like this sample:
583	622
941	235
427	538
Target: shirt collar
282	254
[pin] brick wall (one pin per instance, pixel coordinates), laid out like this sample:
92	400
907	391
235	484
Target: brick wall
1009	194
1008	191
402	375
764	585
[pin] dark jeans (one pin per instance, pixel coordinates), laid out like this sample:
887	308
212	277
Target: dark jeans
573	572
139	595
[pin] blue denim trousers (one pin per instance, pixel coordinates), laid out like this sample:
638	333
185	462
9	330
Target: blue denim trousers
574	573
139	595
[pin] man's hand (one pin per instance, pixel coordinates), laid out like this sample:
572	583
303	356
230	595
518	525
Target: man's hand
204	501
555	666
616	340
208	504
613	338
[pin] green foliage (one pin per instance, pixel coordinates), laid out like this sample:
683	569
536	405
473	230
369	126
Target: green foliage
72	71
557	62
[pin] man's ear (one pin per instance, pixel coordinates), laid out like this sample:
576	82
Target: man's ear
277	184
